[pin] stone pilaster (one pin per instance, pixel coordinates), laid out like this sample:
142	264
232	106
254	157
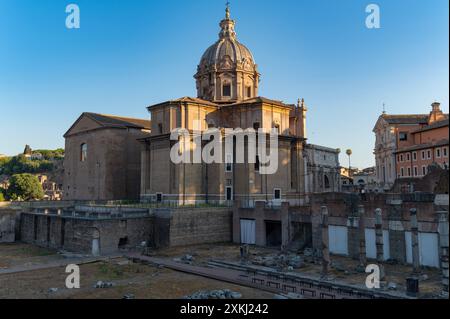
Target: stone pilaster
415	241
379	241
325	242
443	243
362	237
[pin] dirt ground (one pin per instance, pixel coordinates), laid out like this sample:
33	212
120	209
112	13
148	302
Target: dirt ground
143	281
148	282
343	272
17	254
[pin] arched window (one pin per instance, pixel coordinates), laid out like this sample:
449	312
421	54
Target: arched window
326	182
83	152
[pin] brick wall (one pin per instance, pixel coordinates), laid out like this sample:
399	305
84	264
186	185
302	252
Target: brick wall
200	226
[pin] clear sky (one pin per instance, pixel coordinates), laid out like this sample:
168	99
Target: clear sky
131	54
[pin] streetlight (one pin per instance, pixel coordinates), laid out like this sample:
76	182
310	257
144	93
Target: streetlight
349	153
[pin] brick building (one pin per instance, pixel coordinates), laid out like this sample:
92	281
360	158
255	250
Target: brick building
421	147
102	159
407	144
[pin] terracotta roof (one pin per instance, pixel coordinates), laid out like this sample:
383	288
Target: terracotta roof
423	146
433	126
186	99
260	99
112	120
406	119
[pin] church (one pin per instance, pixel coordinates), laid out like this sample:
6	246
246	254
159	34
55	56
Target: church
227	83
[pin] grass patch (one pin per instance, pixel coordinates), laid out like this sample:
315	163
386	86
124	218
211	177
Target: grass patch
34	251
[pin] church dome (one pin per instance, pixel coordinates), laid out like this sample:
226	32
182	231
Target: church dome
227	71
227	47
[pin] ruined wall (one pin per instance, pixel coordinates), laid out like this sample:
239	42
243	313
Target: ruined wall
304	222
7	226
342	210
261	214
191	226
165	227
200	226
76	234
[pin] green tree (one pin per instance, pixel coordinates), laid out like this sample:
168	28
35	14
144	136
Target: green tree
52	154
20	164
24	187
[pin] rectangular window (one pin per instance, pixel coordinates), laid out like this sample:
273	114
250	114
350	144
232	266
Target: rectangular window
416	171
438	153
444	151
160	128
424	171
277	193
429	154
159	197
226	90
229	192
414	156
403	136
423	155
229	163
409	171
401	158
249	91
402	172
408	157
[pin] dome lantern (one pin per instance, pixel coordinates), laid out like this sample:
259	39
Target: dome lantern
227	71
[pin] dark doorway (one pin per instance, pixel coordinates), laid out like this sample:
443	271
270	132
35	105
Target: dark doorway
123	242
273	233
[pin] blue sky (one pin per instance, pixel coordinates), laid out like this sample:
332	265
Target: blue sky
130	54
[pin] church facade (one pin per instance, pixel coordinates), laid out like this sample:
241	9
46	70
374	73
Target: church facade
227	82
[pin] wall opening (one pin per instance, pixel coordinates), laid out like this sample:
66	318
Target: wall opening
123	242
273	233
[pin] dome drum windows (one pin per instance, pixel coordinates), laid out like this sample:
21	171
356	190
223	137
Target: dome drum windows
226	89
